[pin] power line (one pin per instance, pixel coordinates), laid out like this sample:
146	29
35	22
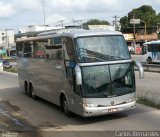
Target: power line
80	21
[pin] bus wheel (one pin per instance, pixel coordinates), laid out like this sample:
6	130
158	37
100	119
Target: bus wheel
32	93
149	60
30	90
65	107
26	88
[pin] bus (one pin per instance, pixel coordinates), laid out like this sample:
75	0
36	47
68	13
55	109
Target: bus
151	52
86	72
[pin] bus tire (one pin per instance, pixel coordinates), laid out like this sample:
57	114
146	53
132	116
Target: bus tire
26	87
149	60
65	107
32	93
30	90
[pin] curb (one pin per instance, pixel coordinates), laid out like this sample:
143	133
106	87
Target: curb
5	72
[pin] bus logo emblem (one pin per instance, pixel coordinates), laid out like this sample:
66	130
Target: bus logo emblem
112	103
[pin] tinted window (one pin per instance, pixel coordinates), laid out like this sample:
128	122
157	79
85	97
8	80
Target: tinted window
19	48
39	48
108	80
68	42
27	49
153	47
101	48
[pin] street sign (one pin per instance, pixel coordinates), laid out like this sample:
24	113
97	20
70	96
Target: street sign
134	21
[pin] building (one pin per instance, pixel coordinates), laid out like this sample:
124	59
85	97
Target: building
36	28
101	27
7	39
136	40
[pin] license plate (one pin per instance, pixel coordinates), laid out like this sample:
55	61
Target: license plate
113	110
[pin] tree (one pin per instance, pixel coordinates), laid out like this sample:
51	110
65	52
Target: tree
145	12
124	22
95	22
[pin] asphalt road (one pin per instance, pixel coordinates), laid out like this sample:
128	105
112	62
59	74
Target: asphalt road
139	58
22	115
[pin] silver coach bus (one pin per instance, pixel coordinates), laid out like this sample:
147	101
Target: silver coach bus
87	72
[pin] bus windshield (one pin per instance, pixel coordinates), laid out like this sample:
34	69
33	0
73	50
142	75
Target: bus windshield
101	48
108	80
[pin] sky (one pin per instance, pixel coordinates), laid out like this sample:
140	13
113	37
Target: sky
15	14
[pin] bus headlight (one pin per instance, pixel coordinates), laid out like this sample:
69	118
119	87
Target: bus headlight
89	105
131	99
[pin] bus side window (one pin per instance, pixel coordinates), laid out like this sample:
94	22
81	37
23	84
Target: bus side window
58	54
40	49
70	48
27	50
149	48
19	49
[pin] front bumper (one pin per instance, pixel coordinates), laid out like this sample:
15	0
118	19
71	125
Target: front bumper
97	111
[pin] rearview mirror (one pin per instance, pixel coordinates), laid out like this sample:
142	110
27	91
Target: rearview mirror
140	68
78	75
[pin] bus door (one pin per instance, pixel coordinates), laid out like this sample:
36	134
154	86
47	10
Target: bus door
72	91
144	49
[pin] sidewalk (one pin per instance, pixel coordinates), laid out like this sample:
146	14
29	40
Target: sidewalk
10	73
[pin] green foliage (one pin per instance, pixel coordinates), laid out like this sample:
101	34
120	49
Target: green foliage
95	22
13	70
147	98
148	102
124	22
146	13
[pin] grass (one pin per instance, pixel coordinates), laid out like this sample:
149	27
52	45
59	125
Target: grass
147	98
148	102
13	70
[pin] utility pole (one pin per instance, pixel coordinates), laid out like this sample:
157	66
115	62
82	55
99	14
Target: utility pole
145	30
44	16
115	21
7	42
73	22
62	23
79	22
134	37
134	29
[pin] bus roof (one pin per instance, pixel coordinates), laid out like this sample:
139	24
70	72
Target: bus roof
74	33
82	33
152	42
